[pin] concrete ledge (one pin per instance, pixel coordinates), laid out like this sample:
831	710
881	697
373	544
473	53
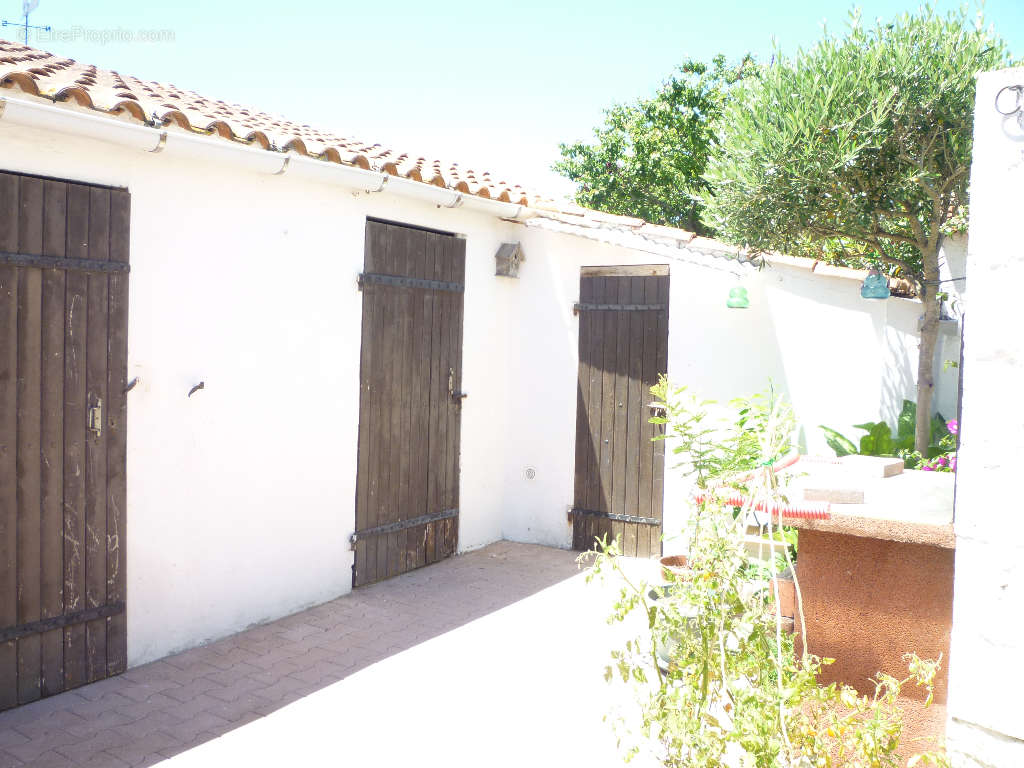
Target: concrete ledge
876	528
911	507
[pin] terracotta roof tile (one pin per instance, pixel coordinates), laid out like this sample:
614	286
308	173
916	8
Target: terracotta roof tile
44	74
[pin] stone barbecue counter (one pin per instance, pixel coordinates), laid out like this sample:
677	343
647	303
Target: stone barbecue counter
912	507
877	577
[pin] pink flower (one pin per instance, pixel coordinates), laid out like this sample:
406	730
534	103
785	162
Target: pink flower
927	468
942	461
952	463
953	426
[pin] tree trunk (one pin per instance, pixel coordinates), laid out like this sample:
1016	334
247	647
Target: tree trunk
926	354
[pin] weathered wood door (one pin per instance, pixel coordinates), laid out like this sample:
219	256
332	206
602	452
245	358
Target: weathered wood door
407	497
63	360
620	468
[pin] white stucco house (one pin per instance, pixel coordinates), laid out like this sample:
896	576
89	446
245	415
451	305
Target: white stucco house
304	315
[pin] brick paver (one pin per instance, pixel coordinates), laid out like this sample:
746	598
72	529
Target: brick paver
164	708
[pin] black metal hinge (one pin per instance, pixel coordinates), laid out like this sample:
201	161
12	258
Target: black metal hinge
402	525
616	516
579	307
370	278
52	262
56	622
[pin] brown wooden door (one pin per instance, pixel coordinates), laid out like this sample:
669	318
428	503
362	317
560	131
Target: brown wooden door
407	496
63	361
620	468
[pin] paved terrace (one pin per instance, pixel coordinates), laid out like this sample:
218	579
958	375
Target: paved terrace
491	658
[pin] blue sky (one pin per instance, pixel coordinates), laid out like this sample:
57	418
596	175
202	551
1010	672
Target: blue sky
495	86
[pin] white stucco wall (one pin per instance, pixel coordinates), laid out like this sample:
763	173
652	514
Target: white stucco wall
840	359
241	498
986	724
952	271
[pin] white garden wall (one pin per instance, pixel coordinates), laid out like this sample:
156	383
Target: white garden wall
839	358
241	498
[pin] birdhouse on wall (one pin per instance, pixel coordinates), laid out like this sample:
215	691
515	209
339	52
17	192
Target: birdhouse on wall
506	260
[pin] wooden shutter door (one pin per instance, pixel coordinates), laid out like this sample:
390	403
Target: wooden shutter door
63	363
407	498
620	468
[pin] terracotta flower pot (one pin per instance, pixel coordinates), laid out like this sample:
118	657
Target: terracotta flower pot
675	567
787	595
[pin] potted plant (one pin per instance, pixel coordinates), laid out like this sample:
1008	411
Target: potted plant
719	679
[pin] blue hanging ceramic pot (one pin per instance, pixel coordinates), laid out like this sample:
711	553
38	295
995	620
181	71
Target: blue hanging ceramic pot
875	286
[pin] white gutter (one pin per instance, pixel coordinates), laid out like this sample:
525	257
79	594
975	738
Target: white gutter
497	208
442	197
308	169
178	144
63	120
32	114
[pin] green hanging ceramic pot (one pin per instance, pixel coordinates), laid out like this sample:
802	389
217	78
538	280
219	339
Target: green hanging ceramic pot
738	298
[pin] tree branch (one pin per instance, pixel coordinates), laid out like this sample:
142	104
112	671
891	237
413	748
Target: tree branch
920	177
954	178
869	240
896	237
915	223
880	255
883	256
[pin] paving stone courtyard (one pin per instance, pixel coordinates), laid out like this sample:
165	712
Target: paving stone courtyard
494	657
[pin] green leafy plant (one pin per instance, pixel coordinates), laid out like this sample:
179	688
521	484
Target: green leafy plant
880	440
719	679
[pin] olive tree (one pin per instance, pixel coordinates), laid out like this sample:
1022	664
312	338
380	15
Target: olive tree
860	146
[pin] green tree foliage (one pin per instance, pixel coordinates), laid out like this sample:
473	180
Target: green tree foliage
648	159
860	146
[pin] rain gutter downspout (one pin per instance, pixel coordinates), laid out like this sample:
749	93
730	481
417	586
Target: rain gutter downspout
175	143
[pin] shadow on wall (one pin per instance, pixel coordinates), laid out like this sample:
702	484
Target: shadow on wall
899	367
847	360
899	374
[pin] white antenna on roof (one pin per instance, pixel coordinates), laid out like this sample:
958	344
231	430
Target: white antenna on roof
27	6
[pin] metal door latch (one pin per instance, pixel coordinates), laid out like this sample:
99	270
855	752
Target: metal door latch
456	397
657	410
94	422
